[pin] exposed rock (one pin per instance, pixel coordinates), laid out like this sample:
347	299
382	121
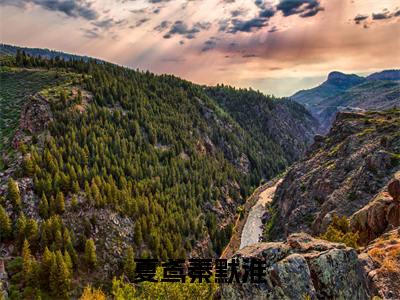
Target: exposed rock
394	189
35	117
302	267
380	214
340	175
381	261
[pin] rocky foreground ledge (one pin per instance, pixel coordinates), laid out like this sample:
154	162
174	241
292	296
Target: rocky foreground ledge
307	268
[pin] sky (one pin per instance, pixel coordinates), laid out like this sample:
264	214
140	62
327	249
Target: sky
276	46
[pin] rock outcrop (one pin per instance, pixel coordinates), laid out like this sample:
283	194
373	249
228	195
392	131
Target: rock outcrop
35	117
378	216
381	262
303	268
342	173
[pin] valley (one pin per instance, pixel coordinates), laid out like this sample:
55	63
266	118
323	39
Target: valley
102	164
253	229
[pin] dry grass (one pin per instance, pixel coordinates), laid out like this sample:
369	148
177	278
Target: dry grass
386	252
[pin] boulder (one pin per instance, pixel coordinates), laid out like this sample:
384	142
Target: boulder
302	267
394	189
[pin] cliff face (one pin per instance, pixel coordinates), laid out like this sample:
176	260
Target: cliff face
341	174
303	268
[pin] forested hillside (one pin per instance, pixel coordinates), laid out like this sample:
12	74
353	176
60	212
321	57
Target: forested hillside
270	121
108	163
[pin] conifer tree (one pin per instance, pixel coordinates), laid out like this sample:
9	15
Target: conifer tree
68	261
90	253
13	193
28	166
138	234
5	224
32	232
74	202
60	277
60	203
20	228
27	260
44	207
129	263
46	264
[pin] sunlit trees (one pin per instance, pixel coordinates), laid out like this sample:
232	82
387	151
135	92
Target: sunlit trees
5	224
90	254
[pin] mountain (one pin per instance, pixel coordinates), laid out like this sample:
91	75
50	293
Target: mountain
341	92
385	75
335	84
100	163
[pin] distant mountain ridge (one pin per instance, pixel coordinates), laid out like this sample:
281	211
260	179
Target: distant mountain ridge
6	49
340	92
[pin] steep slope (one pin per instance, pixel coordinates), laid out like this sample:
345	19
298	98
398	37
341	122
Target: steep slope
124	158
343	92
353	172
269	120
343	173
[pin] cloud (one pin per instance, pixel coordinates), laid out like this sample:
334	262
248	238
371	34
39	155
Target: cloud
306	8
381	16
71	8
208	45
90	33
247	25
181	28
273	29
163	25
359	18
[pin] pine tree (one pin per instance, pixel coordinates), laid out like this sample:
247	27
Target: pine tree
5	224
13	193
46	267
138	234
44	207
32	232
74	202
90	253
68	261
28	166
60	277
129	263
60	203
20	228
27	261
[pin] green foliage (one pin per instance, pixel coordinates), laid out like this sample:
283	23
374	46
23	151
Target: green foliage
270	223
156	149
90	254
16	86
339	232
129	263
122	291
176	290
5	224
13	193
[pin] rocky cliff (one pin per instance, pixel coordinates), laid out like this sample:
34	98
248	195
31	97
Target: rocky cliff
342	173
352	172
